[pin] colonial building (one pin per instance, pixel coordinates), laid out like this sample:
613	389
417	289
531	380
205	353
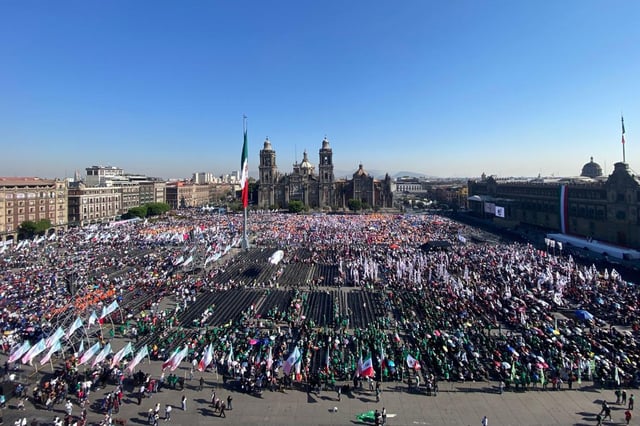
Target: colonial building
317	190
186	194
590	206
93	204
31	199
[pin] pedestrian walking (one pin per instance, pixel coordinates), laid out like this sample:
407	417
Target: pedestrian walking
485	421
184	403
627	416
201	384
222	407
339	392
167	413
631	401
229	399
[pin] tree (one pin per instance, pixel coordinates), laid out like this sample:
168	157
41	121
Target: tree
140	211
29	228
156	209
354	204
296	206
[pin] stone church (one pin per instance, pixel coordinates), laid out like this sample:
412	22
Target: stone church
321	190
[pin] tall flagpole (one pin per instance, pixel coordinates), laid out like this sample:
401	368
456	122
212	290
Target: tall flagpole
245	183
623	154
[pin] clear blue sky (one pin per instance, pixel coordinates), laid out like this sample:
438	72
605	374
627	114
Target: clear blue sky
445	88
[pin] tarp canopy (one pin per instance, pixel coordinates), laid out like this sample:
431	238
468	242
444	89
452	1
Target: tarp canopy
436	245
583	315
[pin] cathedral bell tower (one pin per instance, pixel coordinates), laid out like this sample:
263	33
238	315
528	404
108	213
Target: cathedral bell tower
268	176
325	174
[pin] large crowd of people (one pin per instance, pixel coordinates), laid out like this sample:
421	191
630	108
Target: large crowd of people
354	298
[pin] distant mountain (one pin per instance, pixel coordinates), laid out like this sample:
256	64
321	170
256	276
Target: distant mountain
409	174
379	174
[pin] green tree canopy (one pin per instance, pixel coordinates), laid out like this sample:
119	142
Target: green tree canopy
296	206
156	209
29	228
354	205
140	211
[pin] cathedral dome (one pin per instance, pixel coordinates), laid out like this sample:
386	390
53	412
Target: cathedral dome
306	164
591	169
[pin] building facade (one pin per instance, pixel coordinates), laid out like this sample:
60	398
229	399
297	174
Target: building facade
152	192
98	175
186	194
317	190
93	204
31	199
605	209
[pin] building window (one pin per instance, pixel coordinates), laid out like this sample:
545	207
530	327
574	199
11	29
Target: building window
621	215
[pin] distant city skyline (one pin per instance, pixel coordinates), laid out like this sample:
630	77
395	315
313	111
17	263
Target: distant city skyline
447	89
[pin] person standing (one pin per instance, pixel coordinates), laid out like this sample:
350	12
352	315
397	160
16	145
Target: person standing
167	413
141	393
384	416
184	403
631	400
485	421
229	399
201	386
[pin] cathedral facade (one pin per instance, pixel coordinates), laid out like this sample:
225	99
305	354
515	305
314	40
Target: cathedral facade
321	190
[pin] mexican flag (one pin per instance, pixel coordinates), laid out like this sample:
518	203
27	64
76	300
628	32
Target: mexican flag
292	360
366	368
413	363
244	179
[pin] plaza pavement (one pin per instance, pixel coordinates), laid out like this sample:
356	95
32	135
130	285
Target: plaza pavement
455	404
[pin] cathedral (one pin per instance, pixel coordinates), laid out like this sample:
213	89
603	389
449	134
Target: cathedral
319	191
